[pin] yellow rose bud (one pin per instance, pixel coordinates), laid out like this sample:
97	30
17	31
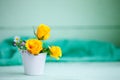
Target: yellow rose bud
55	52
34	46
43	32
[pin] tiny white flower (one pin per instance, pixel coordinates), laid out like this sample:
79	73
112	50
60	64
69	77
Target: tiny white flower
16	39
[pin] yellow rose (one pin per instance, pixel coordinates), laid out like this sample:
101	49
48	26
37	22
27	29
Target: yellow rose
55	52
43	32
34	46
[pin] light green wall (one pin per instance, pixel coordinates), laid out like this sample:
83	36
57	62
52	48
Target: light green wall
59	12
96	19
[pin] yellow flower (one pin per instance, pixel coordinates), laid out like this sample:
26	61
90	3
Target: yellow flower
55	52
34	46
43	32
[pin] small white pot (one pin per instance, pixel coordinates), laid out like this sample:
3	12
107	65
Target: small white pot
33	64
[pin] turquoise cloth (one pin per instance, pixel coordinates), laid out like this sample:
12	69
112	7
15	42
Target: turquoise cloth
92	51
73	51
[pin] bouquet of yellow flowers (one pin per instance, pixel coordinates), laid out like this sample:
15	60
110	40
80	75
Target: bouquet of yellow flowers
35	46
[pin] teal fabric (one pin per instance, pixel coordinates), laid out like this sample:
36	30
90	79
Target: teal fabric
9	55
92	51
73	51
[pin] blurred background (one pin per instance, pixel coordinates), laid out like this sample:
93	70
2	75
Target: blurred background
79	19
97	20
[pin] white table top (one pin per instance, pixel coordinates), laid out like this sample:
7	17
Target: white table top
66	71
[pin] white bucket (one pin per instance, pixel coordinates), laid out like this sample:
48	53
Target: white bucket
33	64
